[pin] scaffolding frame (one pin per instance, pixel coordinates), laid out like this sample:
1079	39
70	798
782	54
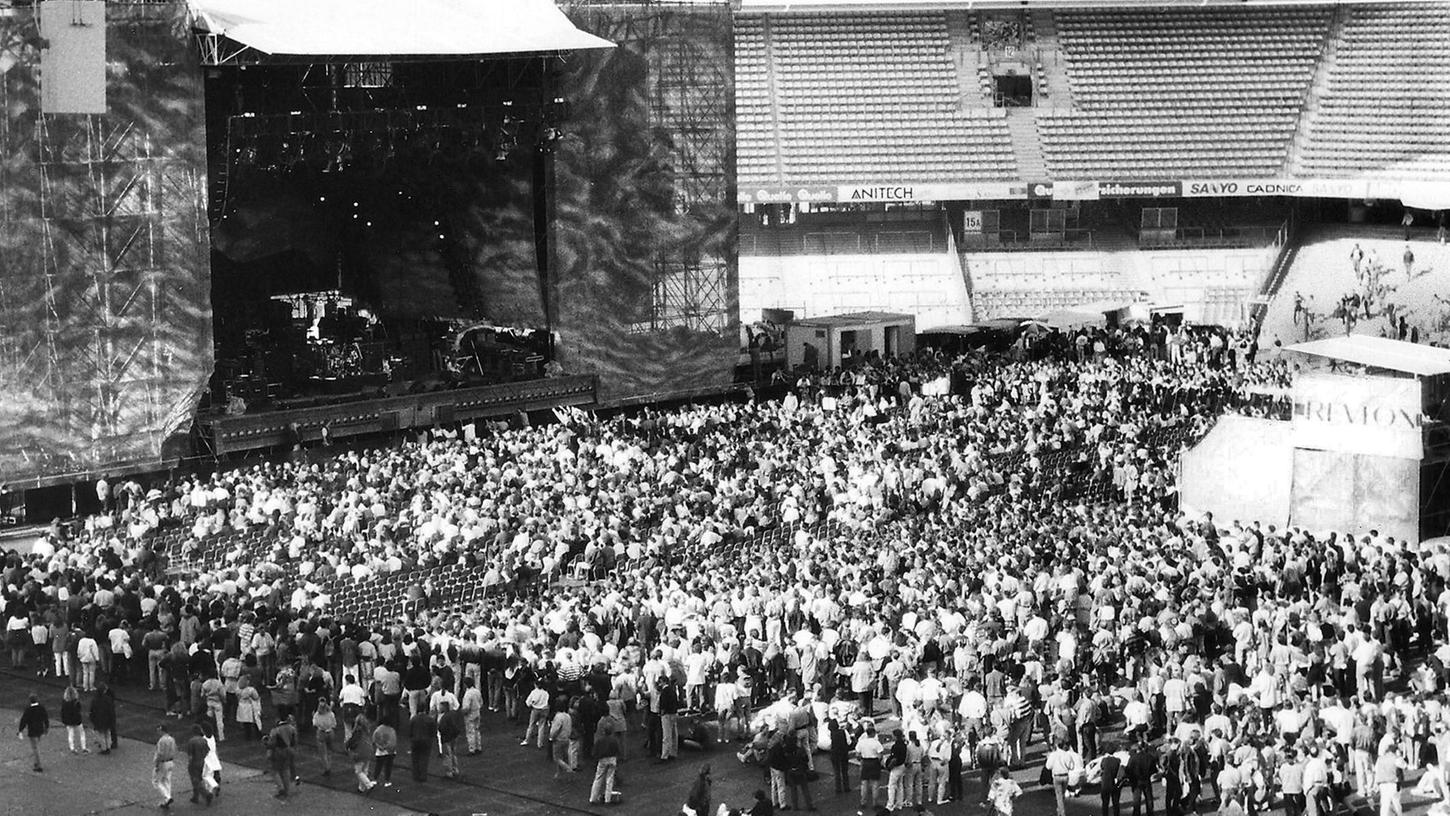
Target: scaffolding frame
692	100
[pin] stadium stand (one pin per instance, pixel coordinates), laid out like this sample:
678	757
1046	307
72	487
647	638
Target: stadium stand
818	95
1179	94
823	269
1382	106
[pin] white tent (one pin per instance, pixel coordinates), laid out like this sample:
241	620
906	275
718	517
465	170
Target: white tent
392	27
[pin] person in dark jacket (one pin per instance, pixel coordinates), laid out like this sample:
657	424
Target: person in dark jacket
1111	787
840	755
422	733
1142	767
103	717
699	799
34	723
450	728
70	717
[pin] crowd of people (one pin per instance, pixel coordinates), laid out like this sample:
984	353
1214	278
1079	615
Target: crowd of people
933	583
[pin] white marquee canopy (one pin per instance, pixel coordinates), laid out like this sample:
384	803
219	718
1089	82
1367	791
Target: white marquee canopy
393	27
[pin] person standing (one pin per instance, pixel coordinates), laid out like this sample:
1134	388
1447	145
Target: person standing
538	727
840	755
324	724
1110	788
88	654
281	755
606	758
1387	772
869	750
34	724
1061	764
472	711
103	718
196	753
699	799
798	776
450	728
1142	767
385	750
559	730
896	792
669	700
162	761
360	751
422	736
1003	793
212	769
70	717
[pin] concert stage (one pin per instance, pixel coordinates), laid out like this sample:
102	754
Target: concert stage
249	432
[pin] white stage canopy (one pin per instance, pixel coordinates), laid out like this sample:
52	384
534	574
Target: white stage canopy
1380	352
395	28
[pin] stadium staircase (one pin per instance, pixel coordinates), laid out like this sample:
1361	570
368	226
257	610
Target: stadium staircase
969	60
1318	88
1385	96
1053	88
1026	145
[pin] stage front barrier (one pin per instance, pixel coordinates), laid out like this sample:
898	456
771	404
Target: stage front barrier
234	434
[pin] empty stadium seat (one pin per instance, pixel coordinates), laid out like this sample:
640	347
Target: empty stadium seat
1181	93
1385	100
832	98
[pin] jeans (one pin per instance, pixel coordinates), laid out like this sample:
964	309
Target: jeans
603	787
896	791
473	728
669	736
153	666
538	727
75	736
161	780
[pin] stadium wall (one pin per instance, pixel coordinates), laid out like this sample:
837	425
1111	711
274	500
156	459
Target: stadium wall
105	305
645	231
1212	285
928	286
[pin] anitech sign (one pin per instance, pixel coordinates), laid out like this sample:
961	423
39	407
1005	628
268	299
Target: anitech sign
1139	189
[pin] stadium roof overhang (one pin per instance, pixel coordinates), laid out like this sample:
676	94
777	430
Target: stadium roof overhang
423	29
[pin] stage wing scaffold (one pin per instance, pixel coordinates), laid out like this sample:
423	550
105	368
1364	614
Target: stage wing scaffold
392	28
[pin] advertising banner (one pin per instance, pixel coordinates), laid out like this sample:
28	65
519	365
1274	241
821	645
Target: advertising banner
1237	187
1075	190
1139	189
1373	416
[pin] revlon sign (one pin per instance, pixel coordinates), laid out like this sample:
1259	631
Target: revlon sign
1377	416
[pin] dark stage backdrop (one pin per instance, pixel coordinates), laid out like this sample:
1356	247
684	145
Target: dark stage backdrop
645	268
105	308
429	234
